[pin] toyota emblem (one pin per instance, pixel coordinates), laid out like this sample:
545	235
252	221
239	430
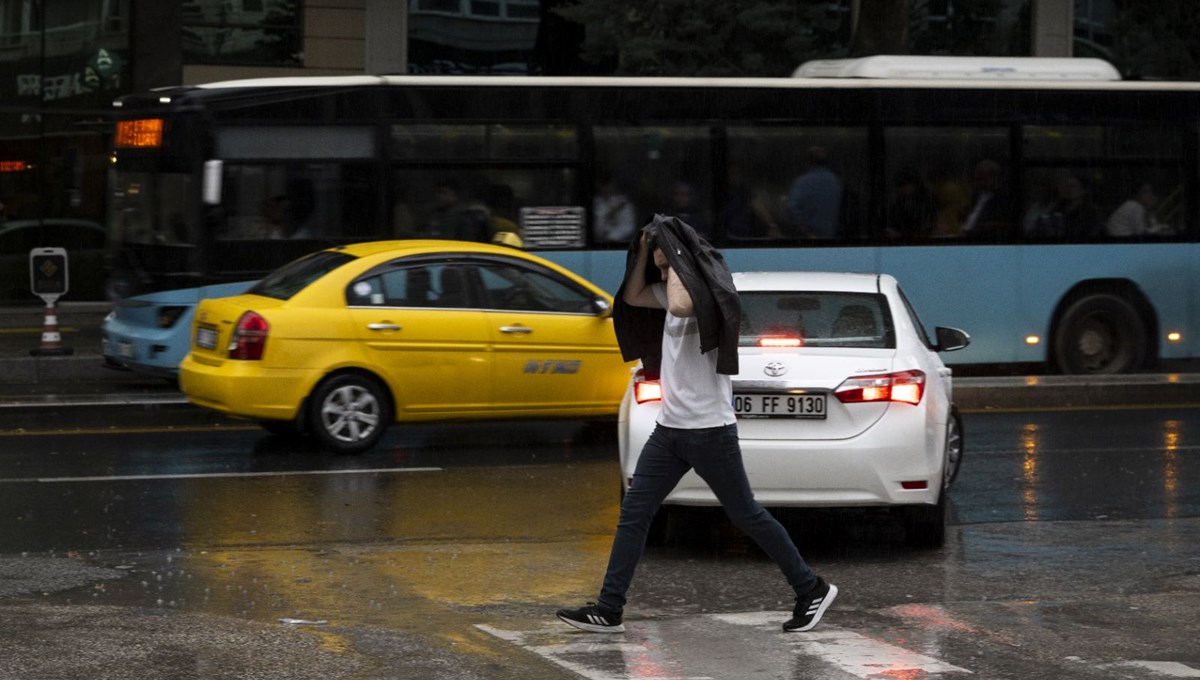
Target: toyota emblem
775	368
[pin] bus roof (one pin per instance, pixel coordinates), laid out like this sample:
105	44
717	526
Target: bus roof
960	68
829	74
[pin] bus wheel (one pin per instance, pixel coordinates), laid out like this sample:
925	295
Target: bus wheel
349	413
1100	333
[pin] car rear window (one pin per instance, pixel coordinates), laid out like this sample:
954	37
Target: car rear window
296	275
816	319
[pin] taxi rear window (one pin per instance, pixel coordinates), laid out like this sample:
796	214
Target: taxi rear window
295	276
816	319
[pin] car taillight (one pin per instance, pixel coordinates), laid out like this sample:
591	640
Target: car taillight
904	386
645	390
249	337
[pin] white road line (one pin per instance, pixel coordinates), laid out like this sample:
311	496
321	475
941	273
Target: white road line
1167	669
858	655
600	644
210	475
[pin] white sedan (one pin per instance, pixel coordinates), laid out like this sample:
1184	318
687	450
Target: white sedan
841	400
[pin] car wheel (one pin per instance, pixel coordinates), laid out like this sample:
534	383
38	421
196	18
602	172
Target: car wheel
348	413
1100	333
925	525
954	449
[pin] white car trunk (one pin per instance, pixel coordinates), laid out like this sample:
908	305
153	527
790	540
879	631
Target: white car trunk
792	372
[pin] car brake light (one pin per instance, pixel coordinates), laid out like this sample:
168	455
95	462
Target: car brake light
645	390
904	386
249	337
780	341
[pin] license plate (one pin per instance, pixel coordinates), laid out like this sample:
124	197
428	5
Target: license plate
206	337
125	350
780	405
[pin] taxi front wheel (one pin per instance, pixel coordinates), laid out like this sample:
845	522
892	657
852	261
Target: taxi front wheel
349	413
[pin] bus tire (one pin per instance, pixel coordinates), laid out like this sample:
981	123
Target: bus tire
1100	333
348	413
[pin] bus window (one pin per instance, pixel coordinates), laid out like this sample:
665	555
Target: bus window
471	203
508	142
796	183
658	170
152	209
965	171
1095	182
297	201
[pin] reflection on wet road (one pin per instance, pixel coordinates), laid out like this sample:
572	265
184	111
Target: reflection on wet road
464	538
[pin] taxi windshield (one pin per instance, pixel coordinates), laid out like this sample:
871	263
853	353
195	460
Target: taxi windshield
295	276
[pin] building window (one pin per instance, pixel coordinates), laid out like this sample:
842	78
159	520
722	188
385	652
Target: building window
247	32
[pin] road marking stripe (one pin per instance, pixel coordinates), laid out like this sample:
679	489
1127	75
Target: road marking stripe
1169	669
157	429
211	475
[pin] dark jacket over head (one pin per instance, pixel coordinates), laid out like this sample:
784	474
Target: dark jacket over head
702	270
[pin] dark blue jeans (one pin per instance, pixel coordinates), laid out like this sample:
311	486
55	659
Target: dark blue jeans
716	456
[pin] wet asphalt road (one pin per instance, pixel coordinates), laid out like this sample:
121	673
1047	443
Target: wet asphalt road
211	550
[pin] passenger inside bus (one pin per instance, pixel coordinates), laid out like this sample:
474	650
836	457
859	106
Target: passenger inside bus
613	214
815	197
1075	215
990	216
1135	217
912	211
455	217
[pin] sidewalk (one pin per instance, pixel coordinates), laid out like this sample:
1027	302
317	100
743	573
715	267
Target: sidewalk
81	378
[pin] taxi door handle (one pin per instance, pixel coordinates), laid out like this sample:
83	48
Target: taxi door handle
383	326
515	329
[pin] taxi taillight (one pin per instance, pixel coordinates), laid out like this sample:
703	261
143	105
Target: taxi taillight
903	386
249	337
645	390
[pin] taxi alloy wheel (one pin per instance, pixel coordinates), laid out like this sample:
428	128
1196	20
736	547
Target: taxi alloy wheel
349	413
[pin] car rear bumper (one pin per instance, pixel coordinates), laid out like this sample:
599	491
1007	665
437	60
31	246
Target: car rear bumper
244	389
871	469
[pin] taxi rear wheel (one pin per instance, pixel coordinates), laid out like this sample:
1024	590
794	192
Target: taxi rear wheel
348	413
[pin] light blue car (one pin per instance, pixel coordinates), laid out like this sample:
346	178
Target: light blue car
152	333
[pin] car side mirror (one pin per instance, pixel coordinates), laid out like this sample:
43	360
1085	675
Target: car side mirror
603	309
950	339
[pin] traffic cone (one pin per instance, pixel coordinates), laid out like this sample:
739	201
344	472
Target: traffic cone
51	339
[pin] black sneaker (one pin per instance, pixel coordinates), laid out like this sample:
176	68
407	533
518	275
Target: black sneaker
593	619
811	606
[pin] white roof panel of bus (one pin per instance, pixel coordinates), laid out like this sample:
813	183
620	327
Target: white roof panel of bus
989	68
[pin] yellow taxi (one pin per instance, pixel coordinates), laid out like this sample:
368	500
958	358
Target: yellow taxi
345	341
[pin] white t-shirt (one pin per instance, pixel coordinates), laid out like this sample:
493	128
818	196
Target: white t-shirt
695	396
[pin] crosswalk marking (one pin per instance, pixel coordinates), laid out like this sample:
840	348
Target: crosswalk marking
856	654
711	646
674	649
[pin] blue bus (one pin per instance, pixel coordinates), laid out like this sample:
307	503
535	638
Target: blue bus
1045	206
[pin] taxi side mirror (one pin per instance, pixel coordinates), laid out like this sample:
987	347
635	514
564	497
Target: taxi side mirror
601	307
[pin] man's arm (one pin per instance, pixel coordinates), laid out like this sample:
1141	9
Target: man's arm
637	292
679	301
